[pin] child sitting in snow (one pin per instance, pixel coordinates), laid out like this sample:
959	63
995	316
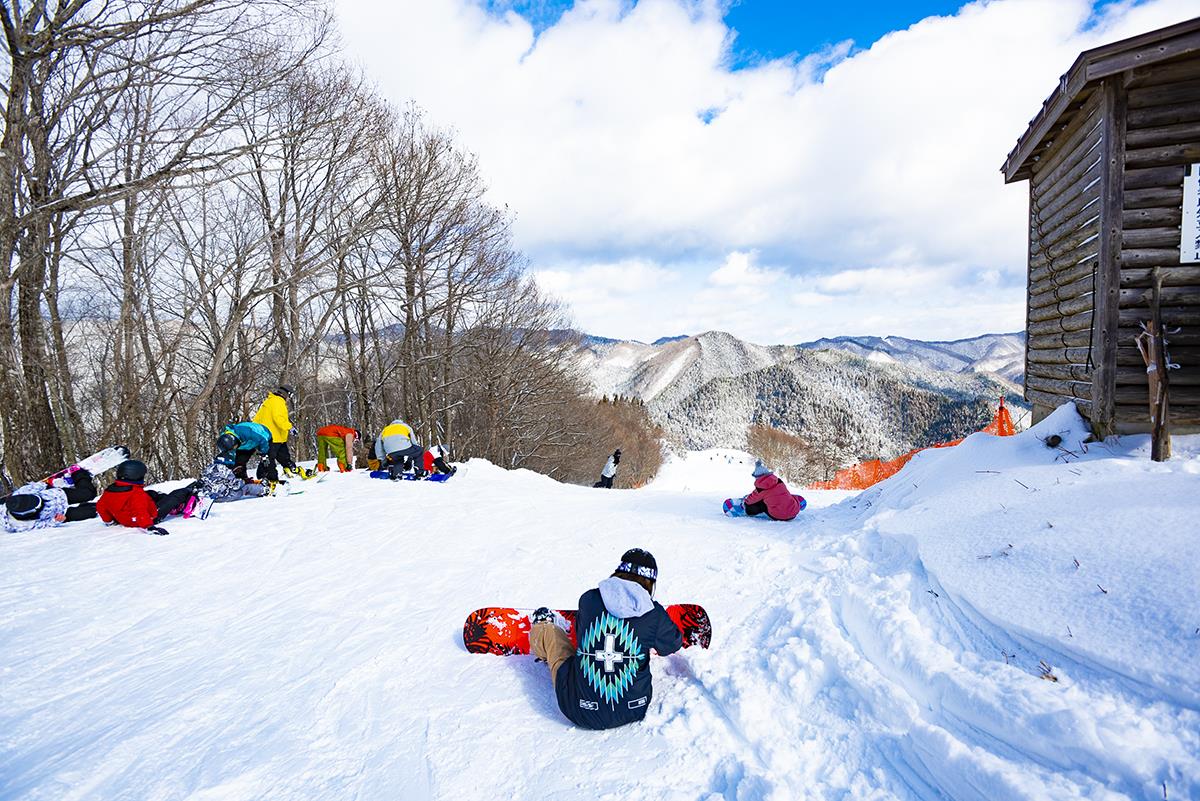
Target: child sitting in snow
219	481
128	503
41	505
435	461
770	497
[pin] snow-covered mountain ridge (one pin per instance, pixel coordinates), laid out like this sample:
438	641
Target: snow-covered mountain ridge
629	367
865	398
999	354
885	645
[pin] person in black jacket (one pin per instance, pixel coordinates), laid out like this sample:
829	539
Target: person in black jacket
605	681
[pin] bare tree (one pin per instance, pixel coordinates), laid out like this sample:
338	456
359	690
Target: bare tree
73	67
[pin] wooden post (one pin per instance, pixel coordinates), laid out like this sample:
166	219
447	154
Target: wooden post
1153	346
1107	298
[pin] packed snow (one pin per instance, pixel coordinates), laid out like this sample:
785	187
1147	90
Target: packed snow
1000	620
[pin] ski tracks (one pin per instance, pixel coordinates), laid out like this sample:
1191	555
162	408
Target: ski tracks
860	677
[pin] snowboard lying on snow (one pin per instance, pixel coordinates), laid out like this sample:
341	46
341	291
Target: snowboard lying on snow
503	631
411	477
95	464
734	507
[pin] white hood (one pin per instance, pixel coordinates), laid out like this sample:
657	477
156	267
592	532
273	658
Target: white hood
625	598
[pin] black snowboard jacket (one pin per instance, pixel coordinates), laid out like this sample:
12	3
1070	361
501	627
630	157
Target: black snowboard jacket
607	682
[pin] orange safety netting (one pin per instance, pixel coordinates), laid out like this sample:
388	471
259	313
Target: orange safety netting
867	474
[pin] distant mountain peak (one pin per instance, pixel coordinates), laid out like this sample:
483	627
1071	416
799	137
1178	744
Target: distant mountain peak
669	340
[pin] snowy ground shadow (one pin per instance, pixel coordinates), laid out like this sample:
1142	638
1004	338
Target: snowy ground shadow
535	676
535	679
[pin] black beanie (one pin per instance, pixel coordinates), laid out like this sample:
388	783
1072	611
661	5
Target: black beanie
637	562
25	506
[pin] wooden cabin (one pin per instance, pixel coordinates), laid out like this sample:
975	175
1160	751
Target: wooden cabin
1109	159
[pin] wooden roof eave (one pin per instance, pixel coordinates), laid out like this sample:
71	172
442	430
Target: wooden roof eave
1093	65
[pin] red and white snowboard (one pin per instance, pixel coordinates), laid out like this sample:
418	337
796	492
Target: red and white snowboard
504	631
95	464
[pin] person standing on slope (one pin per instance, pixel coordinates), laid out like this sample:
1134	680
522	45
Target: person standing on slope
395	446
770	496
606	682
610	471
336	441
273	413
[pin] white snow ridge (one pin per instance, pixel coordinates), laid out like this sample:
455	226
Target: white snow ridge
1000	620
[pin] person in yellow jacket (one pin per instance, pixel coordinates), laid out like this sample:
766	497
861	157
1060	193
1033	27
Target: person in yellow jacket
396	449
273	413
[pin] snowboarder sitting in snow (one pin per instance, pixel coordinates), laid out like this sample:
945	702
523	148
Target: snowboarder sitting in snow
337	441
246	439
219	480
435	461
605	682
610	471
770	496
41	505
128	503
395	447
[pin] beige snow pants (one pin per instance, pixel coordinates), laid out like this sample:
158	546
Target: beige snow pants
547	641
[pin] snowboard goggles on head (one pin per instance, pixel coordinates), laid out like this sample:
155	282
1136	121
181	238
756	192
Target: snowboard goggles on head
638	570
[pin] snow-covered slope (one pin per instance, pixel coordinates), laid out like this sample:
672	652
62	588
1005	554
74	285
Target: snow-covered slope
679	364
865	410
885	647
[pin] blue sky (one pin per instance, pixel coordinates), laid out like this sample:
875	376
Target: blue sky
778	28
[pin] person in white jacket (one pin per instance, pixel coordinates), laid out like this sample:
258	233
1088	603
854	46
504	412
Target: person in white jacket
610	470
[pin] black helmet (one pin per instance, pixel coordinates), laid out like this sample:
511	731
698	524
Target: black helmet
132	471
228	441
639	562
285	390
24	506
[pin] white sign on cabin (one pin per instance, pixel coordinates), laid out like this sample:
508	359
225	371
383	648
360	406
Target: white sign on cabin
1189	241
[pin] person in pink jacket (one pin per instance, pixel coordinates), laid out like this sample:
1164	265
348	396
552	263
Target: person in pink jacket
771	496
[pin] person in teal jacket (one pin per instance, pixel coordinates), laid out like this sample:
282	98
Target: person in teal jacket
245	440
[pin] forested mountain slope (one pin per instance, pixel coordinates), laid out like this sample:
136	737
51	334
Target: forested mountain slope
860	397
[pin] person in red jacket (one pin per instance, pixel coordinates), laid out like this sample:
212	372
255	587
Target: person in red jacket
128	503
435	461
771	496
337	441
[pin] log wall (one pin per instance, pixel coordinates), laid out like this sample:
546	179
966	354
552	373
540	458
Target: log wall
1106	199
1162	137
1064	250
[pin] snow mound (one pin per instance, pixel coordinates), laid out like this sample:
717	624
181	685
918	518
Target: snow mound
1085	551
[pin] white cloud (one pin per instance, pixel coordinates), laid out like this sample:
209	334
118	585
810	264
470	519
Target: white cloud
640	300
620	136
739	270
